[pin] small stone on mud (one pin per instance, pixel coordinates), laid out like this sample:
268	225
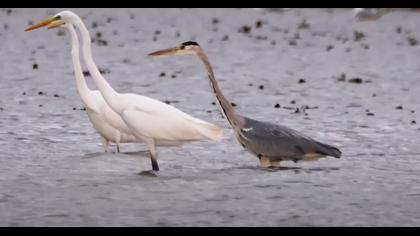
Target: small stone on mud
40	93
356	80
104	71
330	47
261	87
358	35
301	81
213	103
56	95
342	77
277	106
303	25
245	29
370	114
413	122
399	107
293	102
258	24
233	104
83	109
225	38
215	21
40	105
173	76
163	74
412	41
35	66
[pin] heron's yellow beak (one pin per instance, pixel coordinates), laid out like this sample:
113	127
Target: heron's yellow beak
43	23
168	51
55	24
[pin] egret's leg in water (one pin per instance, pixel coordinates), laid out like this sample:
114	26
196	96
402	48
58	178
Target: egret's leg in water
153	155
105	143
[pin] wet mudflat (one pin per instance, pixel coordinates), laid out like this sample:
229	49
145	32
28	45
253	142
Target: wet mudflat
351	84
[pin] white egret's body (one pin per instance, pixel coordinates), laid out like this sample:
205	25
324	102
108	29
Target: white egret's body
107	123
151	121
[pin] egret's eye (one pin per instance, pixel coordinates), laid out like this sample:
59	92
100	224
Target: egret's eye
182	47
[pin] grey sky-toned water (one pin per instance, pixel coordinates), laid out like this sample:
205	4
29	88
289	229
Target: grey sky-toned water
53	171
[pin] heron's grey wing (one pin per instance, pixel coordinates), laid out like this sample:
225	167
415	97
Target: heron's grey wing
273	140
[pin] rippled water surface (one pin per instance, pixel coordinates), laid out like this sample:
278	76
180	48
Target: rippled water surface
53	171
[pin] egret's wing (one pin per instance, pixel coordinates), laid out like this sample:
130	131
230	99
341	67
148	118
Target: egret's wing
159	120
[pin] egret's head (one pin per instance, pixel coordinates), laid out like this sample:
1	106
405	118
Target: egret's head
55	21
186	48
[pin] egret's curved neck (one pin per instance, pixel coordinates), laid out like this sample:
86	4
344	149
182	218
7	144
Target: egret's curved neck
82	87
110	95
235	120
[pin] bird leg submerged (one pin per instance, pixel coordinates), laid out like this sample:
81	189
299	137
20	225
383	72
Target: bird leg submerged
267	163
264	162
153	155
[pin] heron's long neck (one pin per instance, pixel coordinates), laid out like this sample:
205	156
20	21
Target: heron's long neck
82	87
229	113
110	95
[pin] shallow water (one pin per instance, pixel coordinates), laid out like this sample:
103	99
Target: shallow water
53	171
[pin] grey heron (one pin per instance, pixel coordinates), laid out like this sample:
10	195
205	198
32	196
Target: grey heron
271	143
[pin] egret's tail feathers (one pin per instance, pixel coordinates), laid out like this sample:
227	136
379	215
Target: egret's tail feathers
210	131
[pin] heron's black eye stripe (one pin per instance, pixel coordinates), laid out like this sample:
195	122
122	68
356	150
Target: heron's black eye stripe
57	18
182	47
190	43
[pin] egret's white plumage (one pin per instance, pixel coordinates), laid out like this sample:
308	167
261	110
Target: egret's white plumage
107	123
150	120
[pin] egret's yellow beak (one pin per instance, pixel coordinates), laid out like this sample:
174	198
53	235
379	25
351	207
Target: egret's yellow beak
168	51
43	23
55	24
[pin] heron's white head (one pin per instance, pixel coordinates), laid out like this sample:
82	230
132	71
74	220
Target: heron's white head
56	21
186	48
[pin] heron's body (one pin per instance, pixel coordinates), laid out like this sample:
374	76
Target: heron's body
280	143
106	122
269	142
149	120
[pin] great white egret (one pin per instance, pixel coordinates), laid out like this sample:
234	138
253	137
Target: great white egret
107	123
150	120
271	143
